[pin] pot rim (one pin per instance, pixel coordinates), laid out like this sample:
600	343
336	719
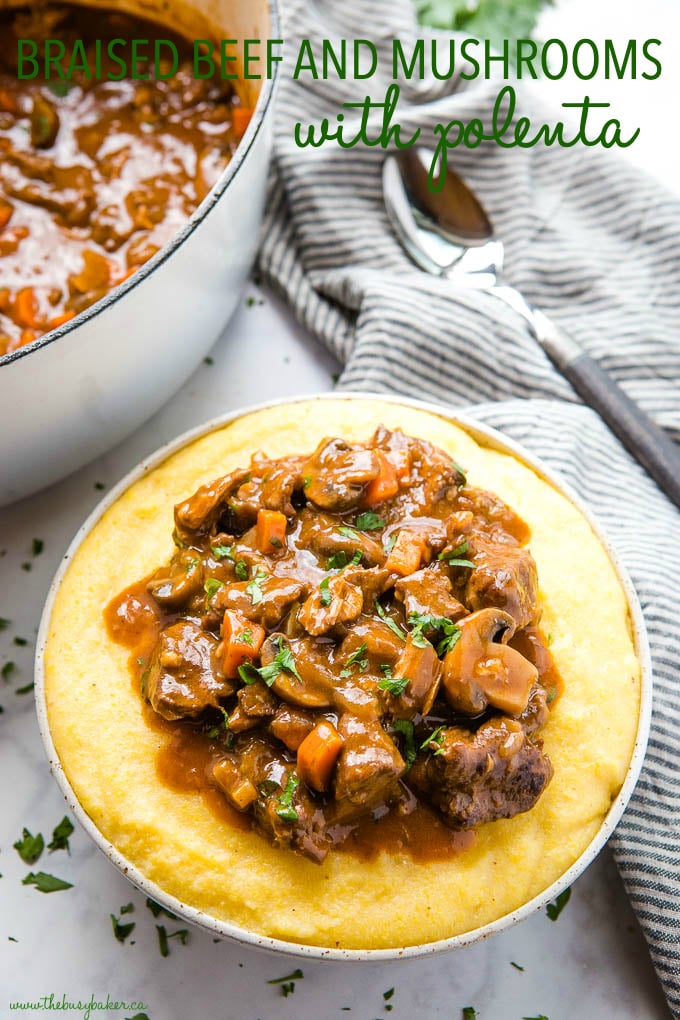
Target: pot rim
247	142
487	436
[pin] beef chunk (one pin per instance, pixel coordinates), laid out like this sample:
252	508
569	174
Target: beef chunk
277	596
504	577
369	764
477	778
337	473
199	513
179	583
291	725
335	603
284	810
428	592
185	675
255	703
319	532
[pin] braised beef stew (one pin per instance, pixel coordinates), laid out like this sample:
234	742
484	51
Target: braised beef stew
97	175
346	647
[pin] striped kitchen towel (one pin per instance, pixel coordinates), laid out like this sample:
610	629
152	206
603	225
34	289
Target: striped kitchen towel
590	241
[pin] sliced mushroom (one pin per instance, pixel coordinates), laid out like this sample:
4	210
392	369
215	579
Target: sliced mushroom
313	684
175	585
481	669
337	473
419	664
201	511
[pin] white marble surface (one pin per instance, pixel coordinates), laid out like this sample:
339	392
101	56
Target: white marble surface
592	963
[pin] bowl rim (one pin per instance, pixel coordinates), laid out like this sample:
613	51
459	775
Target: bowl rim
489	437
245	145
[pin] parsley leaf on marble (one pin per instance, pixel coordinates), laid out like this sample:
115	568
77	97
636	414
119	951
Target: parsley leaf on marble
46	883
121	931
60	835
554	909
29	847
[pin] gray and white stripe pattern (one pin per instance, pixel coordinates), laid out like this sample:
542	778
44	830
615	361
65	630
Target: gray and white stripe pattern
590	241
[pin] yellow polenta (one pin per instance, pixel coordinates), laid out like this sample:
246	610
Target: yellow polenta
108	752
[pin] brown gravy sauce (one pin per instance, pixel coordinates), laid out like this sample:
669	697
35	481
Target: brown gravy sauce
185	760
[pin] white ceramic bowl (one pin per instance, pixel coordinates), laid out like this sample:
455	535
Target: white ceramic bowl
80	389
489	437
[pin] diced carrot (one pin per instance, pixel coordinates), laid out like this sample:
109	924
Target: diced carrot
242	641
27	337
5	300
317	755
59	320
270	533
401	461
385	485
26	308
240	119
6	210
406	554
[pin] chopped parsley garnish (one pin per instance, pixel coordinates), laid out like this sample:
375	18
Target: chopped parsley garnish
516	965
340	559
285	807
241	570
29	847
395	685
551	695
357	658
386	669
253	587
405	727
191	565
121	931
182	934
21	642
325	595
349	533
369	521
554	909
156	909
25	689
283	662
4	623
388	994
245	637
434	740
27	567
394	627
469	1013
450	633
541	1016
212	586
127	908
37	546
389	544
222	552
60	835
307	481
7	670
452	557
287	982
46	883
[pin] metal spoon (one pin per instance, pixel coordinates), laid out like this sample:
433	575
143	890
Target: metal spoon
448	233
